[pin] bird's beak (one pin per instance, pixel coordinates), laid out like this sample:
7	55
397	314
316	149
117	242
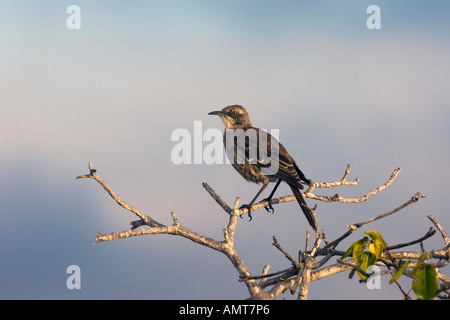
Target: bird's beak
215	113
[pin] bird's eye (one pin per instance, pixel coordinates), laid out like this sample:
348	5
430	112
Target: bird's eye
234	112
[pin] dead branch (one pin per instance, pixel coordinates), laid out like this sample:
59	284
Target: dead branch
310	264
343	181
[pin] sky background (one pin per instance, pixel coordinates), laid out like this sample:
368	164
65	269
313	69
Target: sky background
114	91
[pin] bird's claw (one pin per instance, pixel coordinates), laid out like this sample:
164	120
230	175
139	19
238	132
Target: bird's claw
269	207
246	206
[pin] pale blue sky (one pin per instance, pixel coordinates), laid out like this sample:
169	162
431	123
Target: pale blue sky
114	91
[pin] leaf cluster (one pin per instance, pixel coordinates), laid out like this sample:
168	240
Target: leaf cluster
425	282
364	258
425	278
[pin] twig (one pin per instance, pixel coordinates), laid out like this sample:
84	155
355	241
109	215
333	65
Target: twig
431	232
441	230
337	198
265	271
351	263
286	273
287	255
216	197
413	199
93	175
342	182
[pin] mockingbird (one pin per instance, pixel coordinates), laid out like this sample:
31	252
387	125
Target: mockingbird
260	158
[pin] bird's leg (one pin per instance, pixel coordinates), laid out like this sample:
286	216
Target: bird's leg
249	206
269	208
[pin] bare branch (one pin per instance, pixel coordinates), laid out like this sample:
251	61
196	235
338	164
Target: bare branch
277	245
356	226
175	220
337	198
226	247
342	182
175	229
413	199
155	227
431	232
309	193
441	230
93	175
216	197
352	263
308	268
264	272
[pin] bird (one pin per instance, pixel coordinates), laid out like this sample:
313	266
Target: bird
251	162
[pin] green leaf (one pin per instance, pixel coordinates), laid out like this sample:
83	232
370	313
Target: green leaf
358	249
420	263
376	237
399	272
377	248
362	276
426	284
367	259
349	251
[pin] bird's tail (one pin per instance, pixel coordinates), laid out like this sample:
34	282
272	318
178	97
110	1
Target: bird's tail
306	210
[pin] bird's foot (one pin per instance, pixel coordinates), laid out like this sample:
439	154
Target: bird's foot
249	208
269	207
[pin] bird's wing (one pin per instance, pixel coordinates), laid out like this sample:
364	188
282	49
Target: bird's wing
266	153
275	155
288	169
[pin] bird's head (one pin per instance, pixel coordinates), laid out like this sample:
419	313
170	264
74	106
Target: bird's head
234	117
